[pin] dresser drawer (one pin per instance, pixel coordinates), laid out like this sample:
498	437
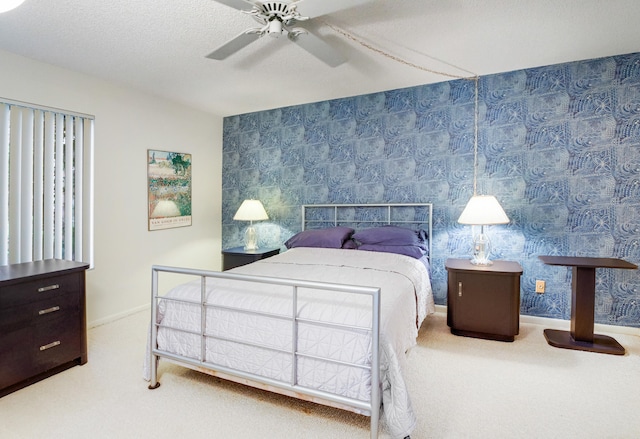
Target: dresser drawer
40	289
61	306
33	350
56	342
15	361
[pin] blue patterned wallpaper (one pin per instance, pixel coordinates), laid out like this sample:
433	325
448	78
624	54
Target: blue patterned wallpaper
559	146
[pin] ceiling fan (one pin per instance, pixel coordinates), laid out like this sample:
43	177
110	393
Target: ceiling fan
280	17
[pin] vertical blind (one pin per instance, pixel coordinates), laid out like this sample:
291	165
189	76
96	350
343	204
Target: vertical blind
46	184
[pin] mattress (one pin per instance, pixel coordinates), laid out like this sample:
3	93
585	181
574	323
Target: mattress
261	343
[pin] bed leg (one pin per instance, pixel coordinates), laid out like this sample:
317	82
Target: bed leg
153	365
375	418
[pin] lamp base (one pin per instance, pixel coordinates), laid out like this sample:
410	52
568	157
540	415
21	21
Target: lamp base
481	249
251	239
481	262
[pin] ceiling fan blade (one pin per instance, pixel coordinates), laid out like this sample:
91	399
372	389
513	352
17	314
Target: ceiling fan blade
318	48
232	46
316	8
242	5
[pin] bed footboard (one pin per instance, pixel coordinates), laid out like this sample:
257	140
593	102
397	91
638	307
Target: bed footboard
291	385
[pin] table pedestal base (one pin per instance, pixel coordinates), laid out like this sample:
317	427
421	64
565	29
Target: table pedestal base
601	343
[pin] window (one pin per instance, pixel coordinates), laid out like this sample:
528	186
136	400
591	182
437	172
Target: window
46	184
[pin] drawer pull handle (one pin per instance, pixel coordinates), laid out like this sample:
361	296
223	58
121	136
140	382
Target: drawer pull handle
459	289
50	345
48	310
48	288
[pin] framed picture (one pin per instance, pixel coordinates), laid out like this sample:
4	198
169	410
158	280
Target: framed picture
169	185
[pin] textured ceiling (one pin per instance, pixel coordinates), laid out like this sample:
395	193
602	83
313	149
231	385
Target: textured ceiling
160	46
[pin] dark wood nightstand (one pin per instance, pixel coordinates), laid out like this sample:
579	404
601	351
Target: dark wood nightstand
237	256
484	301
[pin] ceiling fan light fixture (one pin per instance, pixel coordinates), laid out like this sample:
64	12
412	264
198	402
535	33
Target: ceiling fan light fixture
275	28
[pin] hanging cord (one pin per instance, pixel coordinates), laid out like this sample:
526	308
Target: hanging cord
474	78
475	138
400	60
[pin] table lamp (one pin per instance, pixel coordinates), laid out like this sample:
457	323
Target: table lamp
482	210
251	210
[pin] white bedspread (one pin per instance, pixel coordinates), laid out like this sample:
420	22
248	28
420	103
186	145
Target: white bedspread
406	299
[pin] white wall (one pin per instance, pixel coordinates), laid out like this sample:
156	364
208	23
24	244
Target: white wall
127	123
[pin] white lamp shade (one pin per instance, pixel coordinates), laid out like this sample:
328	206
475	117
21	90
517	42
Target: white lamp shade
251	210
7	5
483	210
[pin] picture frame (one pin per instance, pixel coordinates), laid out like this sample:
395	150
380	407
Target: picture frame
169	189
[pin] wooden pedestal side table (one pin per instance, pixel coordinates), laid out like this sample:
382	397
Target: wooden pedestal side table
583	294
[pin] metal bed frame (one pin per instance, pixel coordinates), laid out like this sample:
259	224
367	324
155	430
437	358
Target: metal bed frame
290	387
370	407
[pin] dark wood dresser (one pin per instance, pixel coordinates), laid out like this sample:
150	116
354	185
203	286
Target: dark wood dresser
43	326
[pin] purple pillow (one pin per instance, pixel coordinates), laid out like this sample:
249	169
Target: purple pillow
408	250
333	237
391	235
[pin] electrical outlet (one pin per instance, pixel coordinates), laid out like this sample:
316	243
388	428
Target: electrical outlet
540	284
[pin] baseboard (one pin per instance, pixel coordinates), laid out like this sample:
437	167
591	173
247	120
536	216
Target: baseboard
114	317
563	324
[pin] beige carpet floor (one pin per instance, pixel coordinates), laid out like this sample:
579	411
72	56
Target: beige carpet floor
460	387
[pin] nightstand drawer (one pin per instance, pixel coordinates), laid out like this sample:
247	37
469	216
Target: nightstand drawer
485	304
39	289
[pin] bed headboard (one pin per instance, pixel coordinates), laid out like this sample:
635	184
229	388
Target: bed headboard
361	216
